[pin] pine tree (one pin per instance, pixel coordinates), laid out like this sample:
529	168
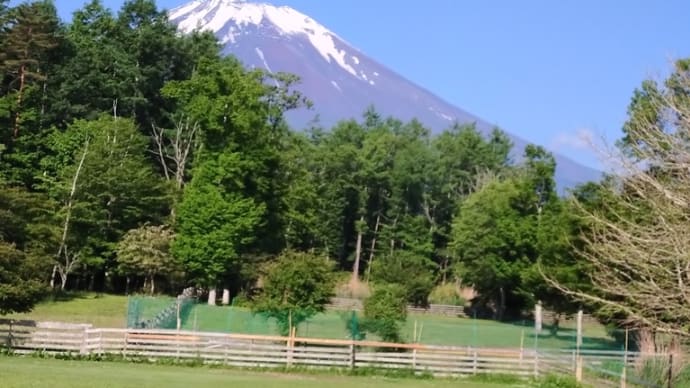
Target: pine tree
31	34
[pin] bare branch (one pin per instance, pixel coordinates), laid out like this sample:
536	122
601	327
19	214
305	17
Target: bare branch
637	244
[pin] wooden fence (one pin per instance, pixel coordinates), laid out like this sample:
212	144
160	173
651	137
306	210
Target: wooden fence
275	351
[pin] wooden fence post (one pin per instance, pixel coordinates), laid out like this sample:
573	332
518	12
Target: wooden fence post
578	369
227	350
352	355
84	339
177	346
290	346
624	377
475	363
124	347
9	335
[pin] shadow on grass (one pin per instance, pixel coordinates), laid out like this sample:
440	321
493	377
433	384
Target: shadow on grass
66	296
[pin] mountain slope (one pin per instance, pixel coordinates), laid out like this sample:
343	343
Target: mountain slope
341	80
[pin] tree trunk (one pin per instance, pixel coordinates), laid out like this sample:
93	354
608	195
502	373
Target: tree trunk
212	297
128	279
52	277
70	259
358	253
20	95
63	281
373	245
152	284
395	223
226	297
501	303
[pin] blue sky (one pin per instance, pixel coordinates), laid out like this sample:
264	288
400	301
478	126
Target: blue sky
546	70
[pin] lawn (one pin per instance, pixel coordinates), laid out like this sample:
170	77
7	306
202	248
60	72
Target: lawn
111	311
434	330
100	310
33	372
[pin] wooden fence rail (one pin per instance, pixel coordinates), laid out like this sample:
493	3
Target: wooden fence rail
274	351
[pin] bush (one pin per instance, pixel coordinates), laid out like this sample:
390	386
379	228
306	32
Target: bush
653	370
413	272
296	287
347	288
384	311
242	300
446	294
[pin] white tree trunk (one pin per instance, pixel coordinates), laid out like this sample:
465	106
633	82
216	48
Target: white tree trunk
70	259
52	277
358	255
63	281
212	297
226	297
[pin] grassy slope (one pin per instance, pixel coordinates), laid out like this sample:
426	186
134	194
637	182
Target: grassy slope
111	311
101	310
32	372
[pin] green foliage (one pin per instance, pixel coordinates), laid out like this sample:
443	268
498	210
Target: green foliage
412	272
117	189
296	286
25	234
446	294
385	311
494	244
504	228
20	288
145	251
556	381
214	222
30	39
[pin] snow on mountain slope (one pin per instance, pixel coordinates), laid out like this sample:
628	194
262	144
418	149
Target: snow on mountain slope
213	15
340	79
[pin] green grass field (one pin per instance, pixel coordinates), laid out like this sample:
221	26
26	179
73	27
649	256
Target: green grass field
100	310
16	372
111	311
435	330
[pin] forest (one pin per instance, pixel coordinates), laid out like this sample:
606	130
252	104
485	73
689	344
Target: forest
137	159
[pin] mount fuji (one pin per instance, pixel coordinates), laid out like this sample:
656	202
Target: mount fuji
341	80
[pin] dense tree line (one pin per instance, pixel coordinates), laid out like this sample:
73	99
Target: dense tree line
132	156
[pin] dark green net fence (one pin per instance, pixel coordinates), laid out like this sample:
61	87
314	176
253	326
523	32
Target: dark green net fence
147	312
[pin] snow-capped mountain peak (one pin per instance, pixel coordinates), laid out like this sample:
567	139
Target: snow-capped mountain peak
229	18
341	80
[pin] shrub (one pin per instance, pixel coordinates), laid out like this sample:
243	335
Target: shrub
384	311
413	272
296	287
653	370
446	294
347	288
242	299
556	381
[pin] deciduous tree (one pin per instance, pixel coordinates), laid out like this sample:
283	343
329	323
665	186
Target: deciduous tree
296	287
